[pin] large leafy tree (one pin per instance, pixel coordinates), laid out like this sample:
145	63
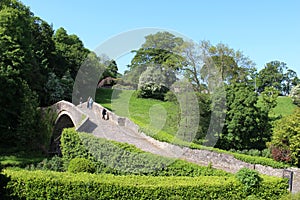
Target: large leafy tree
29	61
230	65
159	50
271	76
19	102
290	80
246	125
276	74
70	51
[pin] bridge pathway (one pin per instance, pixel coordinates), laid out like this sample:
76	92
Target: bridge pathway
111	131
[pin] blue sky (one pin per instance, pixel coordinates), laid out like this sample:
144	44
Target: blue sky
264	30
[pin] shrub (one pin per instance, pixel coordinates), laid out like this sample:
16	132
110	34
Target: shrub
266	153
170	96
152	90
55	164
71	145
295	94
121	158
281	154
250	179
57	185
78	165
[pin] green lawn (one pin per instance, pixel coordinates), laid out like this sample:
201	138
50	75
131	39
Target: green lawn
284	106
159	119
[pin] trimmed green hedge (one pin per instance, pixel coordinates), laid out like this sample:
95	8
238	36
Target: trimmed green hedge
25	184
120	158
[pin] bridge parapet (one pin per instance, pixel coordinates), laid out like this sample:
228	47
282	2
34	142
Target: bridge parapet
76	115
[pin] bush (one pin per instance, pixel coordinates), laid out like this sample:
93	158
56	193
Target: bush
78	165
121	158
152	90
170	96
295	94
57	185
260	160
250	180
55	164
71	145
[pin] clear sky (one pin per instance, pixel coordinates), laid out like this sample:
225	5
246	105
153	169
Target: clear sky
264	30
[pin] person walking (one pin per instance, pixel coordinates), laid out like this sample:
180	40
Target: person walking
104	112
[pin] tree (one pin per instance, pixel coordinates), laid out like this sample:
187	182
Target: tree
295	94
246	125
285	143
70	51
290	80
232	66
271	76
159	49
269	98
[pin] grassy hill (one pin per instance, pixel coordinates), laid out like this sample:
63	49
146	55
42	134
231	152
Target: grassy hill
166	114
159	119
144	111
284	106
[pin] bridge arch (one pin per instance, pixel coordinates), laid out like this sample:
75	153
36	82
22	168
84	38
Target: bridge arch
68	115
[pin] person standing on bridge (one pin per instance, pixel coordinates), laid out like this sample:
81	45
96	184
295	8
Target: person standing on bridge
88	102
104	112
91	103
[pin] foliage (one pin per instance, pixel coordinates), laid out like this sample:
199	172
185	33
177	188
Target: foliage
269	98
160	52
152	90
55	185
295	95
228	65
291	196
138	113
120	158
71	145
246	125
285	140
171	97
36	69
276	74
78	165
260	161
254	152
55	163
250	180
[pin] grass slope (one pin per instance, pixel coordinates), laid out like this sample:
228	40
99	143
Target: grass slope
284	106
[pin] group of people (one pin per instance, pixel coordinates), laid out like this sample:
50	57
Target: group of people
89	104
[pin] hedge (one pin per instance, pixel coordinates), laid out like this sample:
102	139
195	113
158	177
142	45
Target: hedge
25	184
121	158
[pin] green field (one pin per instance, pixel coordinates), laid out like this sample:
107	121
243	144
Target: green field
284	106
157	118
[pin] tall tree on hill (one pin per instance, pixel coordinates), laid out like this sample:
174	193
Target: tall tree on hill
271	76
159	50
232	66
208	63
246	125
